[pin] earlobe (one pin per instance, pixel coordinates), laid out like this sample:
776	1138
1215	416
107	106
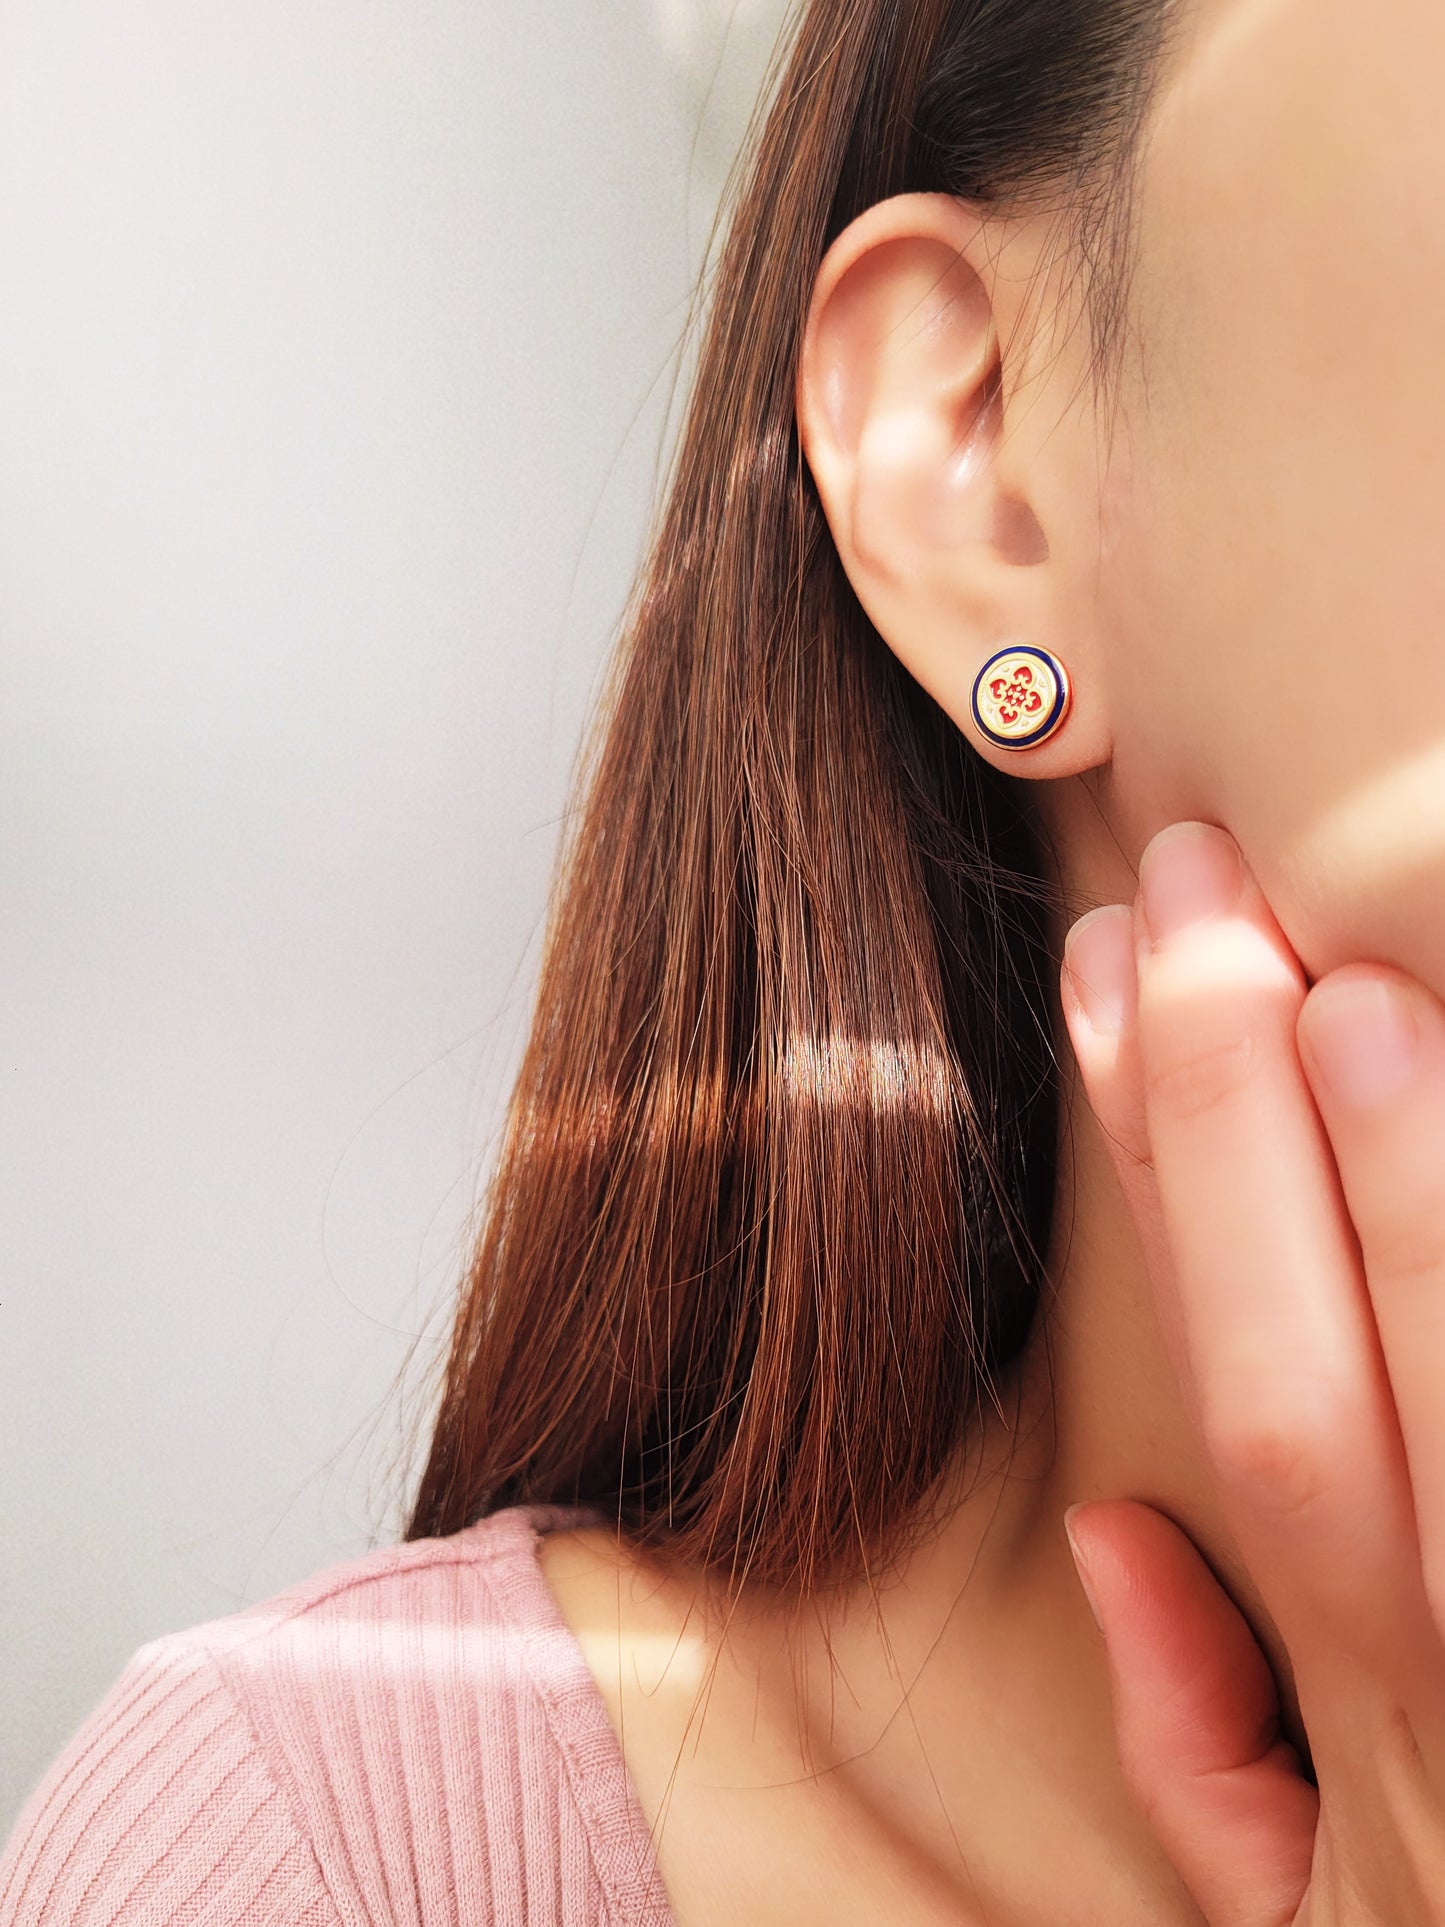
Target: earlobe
902	402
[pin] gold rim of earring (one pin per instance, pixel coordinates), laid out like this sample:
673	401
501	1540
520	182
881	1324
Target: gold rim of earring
1021	697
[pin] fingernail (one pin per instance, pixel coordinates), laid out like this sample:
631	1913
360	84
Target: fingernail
1099	959
1189	872
1081	1565
1365	1037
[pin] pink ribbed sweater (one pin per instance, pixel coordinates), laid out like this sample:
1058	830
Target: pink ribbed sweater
409	1737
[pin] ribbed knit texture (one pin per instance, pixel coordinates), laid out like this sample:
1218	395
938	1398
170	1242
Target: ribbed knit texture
411	1738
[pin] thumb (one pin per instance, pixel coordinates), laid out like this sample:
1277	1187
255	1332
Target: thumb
1196	1718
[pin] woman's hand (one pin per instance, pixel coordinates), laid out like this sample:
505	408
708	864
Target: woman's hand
1283	1152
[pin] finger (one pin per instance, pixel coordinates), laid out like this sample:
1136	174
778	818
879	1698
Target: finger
1291	1390
1099	993
1099	982
1196	1718
1372	1042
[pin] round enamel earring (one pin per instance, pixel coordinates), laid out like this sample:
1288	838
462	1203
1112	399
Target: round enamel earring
1021	697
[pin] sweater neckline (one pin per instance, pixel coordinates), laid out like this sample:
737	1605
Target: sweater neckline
623	1850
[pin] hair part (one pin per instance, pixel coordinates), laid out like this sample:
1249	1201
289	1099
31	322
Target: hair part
768	1219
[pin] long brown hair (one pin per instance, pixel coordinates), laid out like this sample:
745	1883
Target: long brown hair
779	1166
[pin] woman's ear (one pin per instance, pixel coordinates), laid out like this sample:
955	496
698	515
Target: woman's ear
953	445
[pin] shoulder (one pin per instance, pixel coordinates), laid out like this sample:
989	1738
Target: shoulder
416	1724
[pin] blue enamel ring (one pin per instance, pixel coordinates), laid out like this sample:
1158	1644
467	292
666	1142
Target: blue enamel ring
1021	696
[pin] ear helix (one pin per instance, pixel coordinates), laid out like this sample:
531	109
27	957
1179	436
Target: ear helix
1021	697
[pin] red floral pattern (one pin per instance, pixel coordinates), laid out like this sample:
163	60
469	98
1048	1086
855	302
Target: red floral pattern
1016	695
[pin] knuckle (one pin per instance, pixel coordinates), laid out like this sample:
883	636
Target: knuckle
1278	1453
1402	1252
1189	1082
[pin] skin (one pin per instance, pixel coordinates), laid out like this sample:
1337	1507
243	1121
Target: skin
1234	551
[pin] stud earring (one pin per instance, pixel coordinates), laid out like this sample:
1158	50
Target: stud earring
1021	697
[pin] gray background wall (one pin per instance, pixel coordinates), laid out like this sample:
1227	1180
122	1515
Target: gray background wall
336	348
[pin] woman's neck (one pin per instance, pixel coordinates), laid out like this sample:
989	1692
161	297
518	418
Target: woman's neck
1007	1687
